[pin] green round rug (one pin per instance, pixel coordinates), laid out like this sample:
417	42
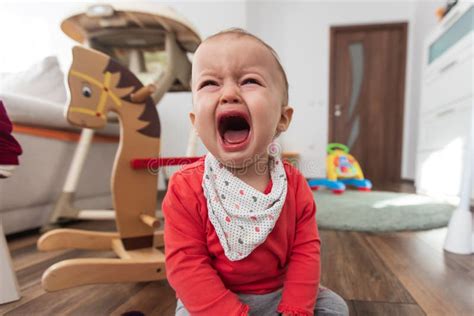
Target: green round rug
379	211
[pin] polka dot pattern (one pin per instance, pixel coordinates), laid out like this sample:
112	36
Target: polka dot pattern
242	216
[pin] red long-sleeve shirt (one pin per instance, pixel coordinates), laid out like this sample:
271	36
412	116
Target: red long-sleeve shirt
206	280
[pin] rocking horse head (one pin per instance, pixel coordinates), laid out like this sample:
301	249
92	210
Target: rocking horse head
98	84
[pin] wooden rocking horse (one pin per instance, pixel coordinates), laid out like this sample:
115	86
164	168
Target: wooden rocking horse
137	39
98	84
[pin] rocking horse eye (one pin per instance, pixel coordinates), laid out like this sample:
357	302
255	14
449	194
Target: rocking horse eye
86	91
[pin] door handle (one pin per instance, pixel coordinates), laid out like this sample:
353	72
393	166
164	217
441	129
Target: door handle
447	66
445	112
337	110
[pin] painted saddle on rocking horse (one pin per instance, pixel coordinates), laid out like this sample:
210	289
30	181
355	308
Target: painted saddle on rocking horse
99	84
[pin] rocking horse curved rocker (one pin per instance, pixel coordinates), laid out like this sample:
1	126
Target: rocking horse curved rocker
98	84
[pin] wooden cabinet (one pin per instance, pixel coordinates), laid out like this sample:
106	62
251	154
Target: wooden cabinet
446	105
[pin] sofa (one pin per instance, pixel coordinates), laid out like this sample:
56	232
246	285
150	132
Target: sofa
35	101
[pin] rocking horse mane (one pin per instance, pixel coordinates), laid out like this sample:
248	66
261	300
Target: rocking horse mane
149	114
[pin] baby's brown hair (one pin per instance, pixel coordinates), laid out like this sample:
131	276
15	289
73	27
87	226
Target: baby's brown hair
238	32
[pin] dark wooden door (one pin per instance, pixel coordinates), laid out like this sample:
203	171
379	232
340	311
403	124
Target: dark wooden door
367	83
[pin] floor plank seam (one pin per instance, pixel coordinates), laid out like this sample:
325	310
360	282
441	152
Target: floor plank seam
387	267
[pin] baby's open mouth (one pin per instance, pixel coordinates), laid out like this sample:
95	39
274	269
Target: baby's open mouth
234	127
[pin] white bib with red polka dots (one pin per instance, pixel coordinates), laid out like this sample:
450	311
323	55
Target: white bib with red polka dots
241	215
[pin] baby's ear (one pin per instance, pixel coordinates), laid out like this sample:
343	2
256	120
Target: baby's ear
192	117
285	119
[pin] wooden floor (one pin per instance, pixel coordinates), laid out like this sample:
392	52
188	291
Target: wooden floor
377	274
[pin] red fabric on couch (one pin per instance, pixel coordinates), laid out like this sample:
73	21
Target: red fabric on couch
10	149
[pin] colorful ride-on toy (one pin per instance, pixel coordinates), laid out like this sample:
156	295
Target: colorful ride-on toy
342	169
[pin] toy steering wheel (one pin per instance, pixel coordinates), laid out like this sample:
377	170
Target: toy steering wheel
336	146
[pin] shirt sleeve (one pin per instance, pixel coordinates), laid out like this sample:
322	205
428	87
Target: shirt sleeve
188	263
301	285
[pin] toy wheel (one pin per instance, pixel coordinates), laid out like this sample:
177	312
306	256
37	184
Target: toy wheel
337	191
314	188
364	189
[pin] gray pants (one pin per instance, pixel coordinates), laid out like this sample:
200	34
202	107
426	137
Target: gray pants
328	303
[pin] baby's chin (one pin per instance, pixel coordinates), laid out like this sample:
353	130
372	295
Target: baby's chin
239	160
255	150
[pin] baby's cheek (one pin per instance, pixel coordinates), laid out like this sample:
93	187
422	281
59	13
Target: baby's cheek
204	128
272	118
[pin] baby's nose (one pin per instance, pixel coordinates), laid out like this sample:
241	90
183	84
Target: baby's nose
230	95
230	99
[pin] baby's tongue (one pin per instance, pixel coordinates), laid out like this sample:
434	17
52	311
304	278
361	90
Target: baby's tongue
235	136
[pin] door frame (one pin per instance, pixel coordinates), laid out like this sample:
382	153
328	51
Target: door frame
334	30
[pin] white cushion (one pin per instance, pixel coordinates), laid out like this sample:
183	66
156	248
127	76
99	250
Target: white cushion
39	112
37	97
44	80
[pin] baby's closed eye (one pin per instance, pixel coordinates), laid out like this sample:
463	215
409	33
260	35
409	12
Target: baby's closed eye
208	83
251	81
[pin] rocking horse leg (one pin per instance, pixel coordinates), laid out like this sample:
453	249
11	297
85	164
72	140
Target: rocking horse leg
158	240
144	254
76	239
75	272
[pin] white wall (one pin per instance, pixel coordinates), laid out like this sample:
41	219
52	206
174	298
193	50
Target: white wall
208	18
29	30
37	35
298	30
